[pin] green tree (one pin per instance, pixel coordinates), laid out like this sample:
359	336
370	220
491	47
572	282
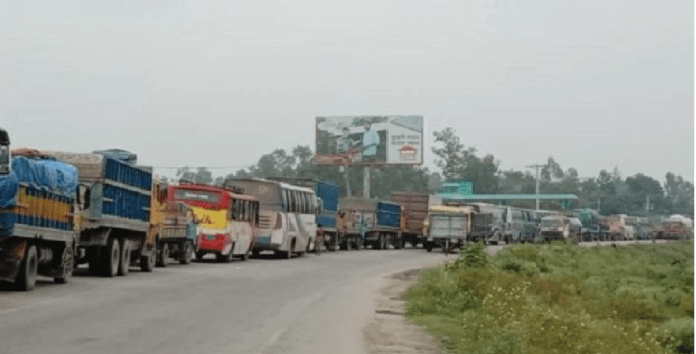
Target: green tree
460	163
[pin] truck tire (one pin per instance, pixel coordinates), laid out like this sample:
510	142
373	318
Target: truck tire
68	265
111	258
224	258
163	258
428	246
147	263
26	279
124	263
399	243
201	254
186	253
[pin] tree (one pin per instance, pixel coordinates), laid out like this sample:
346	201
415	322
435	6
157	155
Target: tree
460	164
680	195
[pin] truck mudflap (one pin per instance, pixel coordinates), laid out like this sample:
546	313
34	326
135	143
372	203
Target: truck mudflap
11	255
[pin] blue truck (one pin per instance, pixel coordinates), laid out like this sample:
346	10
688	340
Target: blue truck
328	194
114	200
37	229
370	222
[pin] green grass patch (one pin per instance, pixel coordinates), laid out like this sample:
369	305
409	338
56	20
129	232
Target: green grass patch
561	299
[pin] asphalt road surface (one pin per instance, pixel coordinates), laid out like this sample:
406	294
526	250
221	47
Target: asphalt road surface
309	304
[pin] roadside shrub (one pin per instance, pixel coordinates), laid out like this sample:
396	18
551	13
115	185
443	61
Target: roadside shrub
686	305
629	308
437	293
512	266
678	335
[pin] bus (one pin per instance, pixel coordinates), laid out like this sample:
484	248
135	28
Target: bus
287	221
226	221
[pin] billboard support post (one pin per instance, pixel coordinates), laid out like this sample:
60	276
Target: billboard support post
366	182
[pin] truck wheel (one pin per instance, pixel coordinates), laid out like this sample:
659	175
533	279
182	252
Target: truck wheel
398	243
224	258
428	246
163	258
187	253
124	263
245	257
344	245
201	254
111	258
349	244
68	265
147	263
26	279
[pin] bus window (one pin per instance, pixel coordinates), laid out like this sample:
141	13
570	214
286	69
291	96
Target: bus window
293	207
304	203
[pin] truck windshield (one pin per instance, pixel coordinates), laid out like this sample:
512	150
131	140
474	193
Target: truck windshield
551	223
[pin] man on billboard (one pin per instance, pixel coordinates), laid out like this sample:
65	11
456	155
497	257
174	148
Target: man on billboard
369	142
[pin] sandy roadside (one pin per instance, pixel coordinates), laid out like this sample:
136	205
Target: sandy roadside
389	331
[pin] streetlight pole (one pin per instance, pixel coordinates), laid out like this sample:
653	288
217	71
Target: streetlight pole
537	167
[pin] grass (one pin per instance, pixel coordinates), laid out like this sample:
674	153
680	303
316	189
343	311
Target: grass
561	299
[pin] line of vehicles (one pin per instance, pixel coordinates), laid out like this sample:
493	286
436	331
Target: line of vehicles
59	210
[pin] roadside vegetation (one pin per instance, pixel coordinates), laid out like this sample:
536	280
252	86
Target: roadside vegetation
561	299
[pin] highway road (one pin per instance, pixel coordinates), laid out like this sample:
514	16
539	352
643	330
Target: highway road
309	304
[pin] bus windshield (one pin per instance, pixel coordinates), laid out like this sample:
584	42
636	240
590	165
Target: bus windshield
196	195
267	193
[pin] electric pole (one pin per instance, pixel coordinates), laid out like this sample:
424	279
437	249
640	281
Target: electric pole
537	167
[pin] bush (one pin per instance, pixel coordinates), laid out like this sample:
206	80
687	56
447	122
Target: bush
678	334
561	299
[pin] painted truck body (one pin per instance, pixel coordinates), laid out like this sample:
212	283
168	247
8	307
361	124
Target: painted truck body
173	227
37	228
415	205
379	221
114	202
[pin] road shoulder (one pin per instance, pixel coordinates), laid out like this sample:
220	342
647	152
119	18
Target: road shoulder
389	331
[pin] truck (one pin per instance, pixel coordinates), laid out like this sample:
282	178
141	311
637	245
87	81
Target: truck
328	194
173	228
114	201
37	224
380	222
447	227
415	206
559	227
617	228
593	229
677	227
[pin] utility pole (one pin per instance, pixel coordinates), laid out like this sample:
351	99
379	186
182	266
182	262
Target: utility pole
647	205
537	167
366	182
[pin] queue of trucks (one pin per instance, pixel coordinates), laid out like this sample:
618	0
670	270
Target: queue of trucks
61	210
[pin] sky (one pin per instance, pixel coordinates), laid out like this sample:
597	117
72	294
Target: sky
595	84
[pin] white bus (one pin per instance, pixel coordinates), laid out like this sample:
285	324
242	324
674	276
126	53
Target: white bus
287	215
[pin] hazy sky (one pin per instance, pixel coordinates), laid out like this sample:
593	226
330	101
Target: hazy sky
593	83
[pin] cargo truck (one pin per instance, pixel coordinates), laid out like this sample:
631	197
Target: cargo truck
114	199
447	227
370	222
415	205
173	228
37	228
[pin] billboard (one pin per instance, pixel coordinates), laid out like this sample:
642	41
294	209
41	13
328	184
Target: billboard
369	140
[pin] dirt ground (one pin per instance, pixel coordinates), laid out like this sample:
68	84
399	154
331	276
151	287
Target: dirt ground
390	332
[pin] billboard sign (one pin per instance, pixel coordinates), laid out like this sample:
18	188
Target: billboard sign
369	140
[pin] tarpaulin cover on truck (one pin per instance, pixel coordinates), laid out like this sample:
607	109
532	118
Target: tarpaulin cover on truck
48	175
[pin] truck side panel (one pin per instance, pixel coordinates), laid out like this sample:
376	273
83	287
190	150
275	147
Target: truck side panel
415	206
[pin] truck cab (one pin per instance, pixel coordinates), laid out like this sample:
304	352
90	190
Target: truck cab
560	227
